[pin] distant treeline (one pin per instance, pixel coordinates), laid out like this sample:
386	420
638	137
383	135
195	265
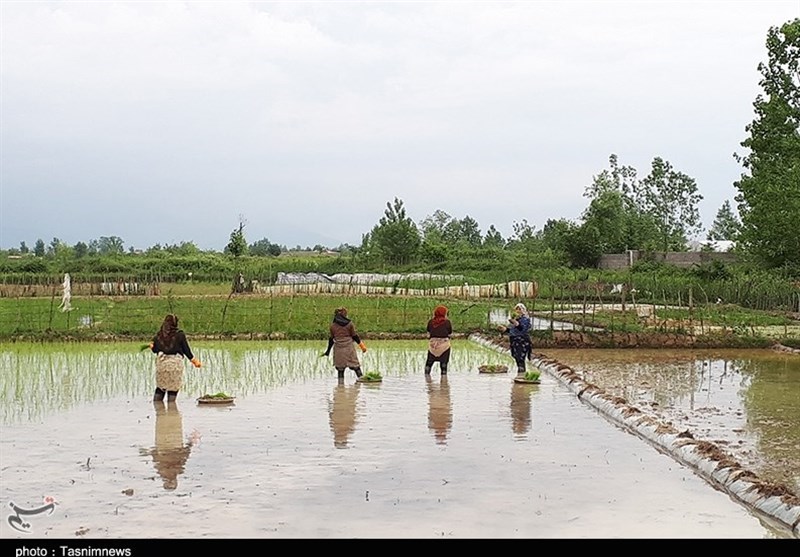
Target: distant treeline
715	282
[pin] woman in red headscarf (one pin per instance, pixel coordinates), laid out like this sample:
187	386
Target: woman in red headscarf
439	331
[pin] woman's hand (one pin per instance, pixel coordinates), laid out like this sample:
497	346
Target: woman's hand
196	362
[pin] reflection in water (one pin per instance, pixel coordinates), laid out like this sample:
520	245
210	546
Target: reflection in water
170	452
440	409
521	408
342	412
744	400
771	400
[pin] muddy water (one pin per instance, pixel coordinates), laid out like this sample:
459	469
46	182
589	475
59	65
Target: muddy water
745	401
301	454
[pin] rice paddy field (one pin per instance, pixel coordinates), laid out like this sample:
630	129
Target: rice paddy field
300	454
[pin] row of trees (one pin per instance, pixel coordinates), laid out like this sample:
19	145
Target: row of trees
657	213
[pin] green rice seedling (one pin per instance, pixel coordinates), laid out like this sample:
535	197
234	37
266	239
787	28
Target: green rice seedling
532	375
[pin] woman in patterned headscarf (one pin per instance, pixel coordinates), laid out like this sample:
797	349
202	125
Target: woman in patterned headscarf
343	339
171	346
439	331
518	331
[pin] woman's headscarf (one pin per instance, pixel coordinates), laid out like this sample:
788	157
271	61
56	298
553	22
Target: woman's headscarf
340	316
522	309
439	315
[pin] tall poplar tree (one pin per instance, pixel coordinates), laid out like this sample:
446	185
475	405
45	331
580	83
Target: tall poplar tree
769	189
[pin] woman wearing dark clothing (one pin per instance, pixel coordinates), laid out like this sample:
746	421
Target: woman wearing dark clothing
171	346
343	339
519	336
439	331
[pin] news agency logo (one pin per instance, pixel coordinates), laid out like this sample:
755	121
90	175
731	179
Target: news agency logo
20	524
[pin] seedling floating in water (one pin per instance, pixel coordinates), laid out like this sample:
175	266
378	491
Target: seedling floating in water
217	395
371	377
532	375
493	368
217	398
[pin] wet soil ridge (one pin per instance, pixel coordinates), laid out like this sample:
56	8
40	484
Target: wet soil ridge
776	502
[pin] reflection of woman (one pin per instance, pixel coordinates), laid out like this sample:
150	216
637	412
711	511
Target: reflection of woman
439	331
342	413
170	452
440	410
521	408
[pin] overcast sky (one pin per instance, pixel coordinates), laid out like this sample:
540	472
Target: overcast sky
165	122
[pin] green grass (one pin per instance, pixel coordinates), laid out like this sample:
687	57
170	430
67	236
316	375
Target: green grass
791	342
208	309
724	314
295	317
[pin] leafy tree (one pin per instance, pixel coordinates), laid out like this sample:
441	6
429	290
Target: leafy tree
609	215
80	250
264	248
346	249
464	232
726	225
237	246
557	236
621	179
671	199
493	238
23	248
433	227
396	236
38	248
524	236
184	248
769	195
616	222
56	247
110	245
584	246
432	251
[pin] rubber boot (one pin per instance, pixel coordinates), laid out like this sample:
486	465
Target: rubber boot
520	371
444	370
427	370
358	372
340	373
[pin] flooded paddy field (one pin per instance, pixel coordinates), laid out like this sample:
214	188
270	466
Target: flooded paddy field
745	401
303	455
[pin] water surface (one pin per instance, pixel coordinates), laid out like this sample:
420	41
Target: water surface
301	454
